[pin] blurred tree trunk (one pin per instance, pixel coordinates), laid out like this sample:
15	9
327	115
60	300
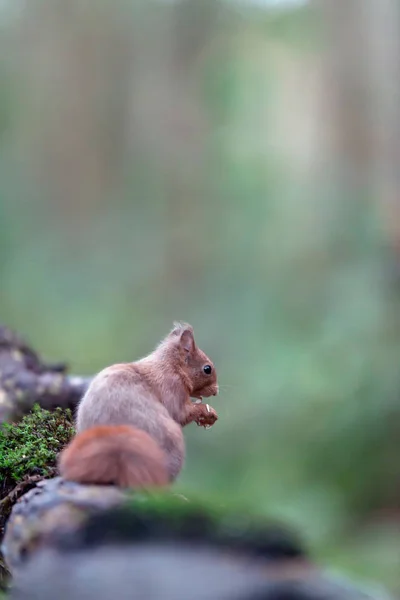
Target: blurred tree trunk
73	62
347	97
383	26
363	72
169	122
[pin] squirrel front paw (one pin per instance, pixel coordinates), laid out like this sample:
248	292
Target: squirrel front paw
206	415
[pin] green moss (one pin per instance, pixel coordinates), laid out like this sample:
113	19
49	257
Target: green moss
166	517
31	446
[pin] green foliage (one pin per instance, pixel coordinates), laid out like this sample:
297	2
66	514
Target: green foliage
31	445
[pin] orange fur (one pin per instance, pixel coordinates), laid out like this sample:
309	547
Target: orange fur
120	455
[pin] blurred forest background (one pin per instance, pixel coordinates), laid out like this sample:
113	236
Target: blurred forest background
234	165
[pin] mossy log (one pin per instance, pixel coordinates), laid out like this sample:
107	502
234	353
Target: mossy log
60	514
156	546
54	508
30	440
25	379
28	454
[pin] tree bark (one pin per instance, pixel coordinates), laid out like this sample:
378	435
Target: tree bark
25	379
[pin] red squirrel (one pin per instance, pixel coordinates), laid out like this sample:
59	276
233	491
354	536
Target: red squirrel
129	422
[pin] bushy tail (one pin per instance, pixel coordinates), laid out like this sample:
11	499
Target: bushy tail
114	454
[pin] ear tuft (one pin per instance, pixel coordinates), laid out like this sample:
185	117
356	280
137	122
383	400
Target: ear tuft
184	332
181	326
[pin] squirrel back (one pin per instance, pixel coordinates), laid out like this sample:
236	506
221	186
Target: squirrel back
119	455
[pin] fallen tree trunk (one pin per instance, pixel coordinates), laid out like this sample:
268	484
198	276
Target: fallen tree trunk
25	380
53	508
68	541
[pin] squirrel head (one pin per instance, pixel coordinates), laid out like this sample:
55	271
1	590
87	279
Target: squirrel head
196	367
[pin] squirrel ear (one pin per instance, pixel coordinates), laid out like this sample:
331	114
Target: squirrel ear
184	331
187	340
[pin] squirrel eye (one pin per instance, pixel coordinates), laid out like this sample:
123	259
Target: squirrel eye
207	369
